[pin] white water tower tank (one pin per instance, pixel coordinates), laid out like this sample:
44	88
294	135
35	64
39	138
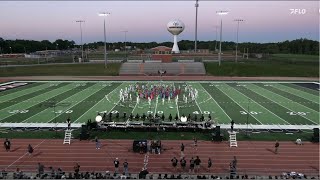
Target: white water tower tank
175	27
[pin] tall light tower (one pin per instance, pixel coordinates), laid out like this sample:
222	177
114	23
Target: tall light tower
105	14
81	21
221	13
196	28
125	42
237	20
215	47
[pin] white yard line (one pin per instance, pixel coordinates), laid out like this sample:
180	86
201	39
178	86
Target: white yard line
117	103
216	102
24	155
35	89
45	99
47	108
177	105
287	108
76	103
239	105
195	99
96	103
136	101
262	106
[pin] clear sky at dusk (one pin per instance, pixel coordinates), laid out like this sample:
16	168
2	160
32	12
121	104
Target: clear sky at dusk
145	21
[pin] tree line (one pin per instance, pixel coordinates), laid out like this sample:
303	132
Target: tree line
298	46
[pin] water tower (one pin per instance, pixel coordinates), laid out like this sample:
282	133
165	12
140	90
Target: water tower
175	27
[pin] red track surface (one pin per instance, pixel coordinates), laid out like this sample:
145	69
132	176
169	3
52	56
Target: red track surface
253	157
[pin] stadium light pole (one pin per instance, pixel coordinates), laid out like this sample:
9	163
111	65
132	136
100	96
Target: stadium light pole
125	42
80	22
221	13
10	50
196	27
215	47
104	14
237	20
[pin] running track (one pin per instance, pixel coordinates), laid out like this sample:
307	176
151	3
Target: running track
253	157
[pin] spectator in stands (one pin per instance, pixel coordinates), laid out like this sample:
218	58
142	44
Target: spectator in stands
143	174
197	162
182	150
30	149
7	144
76	170
125	167
232	170
40	169
53	173
98	144
276	147
183	163
174	163
4	174
116	165
209	164
191	165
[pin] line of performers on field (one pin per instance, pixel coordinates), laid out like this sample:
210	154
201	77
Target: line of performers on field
157	92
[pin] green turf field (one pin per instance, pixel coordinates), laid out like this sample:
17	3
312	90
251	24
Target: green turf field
264	103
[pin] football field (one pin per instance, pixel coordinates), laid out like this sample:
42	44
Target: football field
258	102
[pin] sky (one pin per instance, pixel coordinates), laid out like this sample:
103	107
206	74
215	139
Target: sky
145	21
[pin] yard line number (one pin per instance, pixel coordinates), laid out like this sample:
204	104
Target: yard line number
23	111
251	112
292	113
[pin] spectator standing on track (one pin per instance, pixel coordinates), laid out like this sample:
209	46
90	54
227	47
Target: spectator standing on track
195	142
197	162
234	161
182	151
174	163
98	144
30	149
183	163
7	144
276	147
209	164
191	165
125	167
116	165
